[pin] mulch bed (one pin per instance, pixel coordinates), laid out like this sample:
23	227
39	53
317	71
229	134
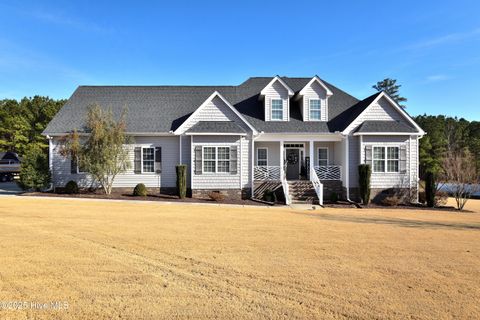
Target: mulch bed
150	197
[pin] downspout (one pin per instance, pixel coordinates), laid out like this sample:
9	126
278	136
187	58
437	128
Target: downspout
50	163
347	167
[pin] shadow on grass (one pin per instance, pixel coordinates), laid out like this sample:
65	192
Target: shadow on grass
395	221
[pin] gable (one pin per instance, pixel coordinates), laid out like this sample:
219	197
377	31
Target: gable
213	110
381	109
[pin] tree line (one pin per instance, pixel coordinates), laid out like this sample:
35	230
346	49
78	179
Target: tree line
22	122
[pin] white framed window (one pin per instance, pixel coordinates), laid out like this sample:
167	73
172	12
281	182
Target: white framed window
148	160
277	109
386	159
262	156
322	156
223	163
314	106
216	159
393	159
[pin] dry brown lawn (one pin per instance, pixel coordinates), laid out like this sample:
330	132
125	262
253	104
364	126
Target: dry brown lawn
111	260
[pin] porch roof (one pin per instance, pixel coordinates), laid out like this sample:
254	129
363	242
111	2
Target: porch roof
216	127
384	126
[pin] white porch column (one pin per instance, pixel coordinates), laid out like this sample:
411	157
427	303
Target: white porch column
282	160
252	167
180	149
312	159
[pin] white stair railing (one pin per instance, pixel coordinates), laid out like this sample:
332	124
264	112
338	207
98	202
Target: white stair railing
331	172
285	187
266	173
317	185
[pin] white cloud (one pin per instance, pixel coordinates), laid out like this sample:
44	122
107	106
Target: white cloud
437	77
446	39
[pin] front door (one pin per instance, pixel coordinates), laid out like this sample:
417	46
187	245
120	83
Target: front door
292	157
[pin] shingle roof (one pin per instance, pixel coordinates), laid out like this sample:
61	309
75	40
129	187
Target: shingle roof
159	109
216	126
385	126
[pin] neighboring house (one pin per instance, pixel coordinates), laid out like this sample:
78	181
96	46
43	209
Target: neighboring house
300	135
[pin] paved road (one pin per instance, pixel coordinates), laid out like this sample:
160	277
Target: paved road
9	188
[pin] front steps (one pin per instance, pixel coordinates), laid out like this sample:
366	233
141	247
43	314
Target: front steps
302	191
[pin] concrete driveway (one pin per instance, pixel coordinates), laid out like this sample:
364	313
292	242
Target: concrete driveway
10	188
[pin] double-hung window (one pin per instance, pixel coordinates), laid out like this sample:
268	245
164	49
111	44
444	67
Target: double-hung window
393	159
277	109
314	109
322	156
386	159
148	160
262	156
216	159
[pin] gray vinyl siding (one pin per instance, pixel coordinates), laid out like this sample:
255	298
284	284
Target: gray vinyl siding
383	180
217	180
380	111
315	91
273	153
215	110
277	91
170	157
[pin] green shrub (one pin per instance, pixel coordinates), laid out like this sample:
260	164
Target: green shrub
34	171
181	180
71	187
140	190
269	196
430	189
334	197
364	173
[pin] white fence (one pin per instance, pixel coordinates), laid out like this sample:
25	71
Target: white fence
329	172
266	173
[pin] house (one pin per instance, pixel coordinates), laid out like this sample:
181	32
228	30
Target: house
302	136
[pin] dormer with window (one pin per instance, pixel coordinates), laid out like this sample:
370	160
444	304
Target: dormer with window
314	100
276	96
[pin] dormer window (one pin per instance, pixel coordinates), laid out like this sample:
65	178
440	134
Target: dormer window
277	109
314	106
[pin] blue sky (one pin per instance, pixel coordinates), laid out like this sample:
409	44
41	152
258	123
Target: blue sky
431	47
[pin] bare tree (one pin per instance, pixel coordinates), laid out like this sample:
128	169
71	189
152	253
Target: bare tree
103	154
460	174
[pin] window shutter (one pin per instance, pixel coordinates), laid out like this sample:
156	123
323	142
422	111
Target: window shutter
137	162
233	160
368	155
73	165
198	159
158	159
403	159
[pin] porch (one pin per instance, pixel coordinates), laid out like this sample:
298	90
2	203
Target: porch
290	162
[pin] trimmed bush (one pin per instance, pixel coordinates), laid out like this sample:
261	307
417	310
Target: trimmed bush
364	174
216	196
140	190
181	180
72	187
430	189
34	171
269	196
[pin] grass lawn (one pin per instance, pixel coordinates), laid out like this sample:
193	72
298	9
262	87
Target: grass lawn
111	260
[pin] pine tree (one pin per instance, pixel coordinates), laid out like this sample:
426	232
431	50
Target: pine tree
391	87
